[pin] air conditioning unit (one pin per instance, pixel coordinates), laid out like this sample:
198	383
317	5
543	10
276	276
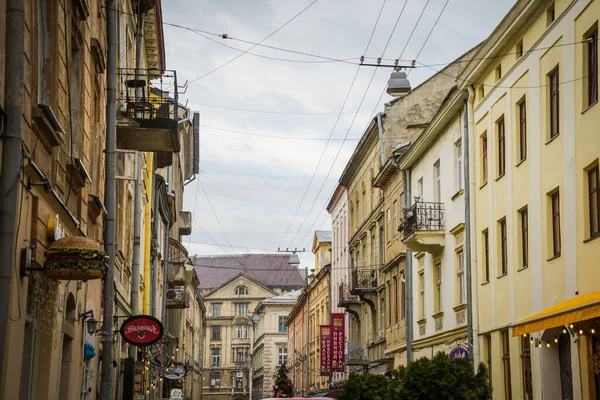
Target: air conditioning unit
177	298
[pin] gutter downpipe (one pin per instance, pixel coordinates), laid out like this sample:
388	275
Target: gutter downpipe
110	184
472	335
12	152
137	207
380	129
406	178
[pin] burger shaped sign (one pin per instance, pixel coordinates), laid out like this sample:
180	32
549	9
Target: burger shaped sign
142	330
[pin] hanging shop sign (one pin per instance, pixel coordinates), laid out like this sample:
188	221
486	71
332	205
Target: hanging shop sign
142	330
176	372
459	352
325	340
338	342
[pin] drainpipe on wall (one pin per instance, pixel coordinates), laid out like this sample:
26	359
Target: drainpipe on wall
11	157
380	129
468	231
110	198
137	206
406	179
470	218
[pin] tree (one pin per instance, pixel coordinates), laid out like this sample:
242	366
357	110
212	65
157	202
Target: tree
283	385
440	378
365	387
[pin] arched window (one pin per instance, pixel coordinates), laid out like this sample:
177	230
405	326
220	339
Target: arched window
70	308
241	290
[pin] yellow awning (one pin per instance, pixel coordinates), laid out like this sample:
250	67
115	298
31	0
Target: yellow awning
577	309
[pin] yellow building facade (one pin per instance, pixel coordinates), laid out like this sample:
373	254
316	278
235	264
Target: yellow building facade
533	90
318	295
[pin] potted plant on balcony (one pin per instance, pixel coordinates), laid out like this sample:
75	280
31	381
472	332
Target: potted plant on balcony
74	258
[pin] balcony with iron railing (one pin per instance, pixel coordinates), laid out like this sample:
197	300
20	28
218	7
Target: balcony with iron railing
346	299
147	110
363	280
424	226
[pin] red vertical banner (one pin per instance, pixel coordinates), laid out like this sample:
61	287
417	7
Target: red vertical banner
325	340
338	342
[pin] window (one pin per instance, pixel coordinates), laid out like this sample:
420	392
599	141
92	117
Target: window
438	286
519	49
395	300
506	364
217	310
389	223
501	147
554	103
498	72
388	295
526	367
395	225
459	166
216	356
488	348
420	188
524	238
422	295
282	327
403	294
550	15
592	67
240	354
438	182
461	277
486	257
373	249
594	202
241	331
283	353
556	224
503	247
522	130
365	255
484	159
241	290
357	213
241	308
216	332
381	246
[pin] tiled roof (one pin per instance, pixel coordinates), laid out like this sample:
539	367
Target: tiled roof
272	270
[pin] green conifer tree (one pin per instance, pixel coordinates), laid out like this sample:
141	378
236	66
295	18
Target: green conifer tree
283	385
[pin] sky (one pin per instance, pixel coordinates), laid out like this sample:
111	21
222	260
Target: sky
257	194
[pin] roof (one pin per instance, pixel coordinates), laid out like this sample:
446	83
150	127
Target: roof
323	236
289	297
271	270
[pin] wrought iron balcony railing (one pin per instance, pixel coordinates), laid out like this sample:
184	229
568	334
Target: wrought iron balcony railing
345	297
142	95
424	216
364	279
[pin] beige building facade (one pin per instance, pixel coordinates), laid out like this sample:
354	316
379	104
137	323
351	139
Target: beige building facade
270	345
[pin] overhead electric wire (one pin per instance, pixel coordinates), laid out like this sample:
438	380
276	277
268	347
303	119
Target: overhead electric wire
332	130
351	124
268	111
275	136
265	38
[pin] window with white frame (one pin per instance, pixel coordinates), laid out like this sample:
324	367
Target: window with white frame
241	290
216	356
241	331
437	190
282	327
460	276
459	166
438	286
420	188
395	225
283	354
241	308
389	223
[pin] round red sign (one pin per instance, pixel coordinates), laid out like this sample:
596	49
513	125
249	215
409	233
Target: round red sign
142	330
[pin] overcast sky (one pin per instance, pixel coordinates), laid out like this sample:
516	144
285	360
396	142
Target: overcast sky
255	184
